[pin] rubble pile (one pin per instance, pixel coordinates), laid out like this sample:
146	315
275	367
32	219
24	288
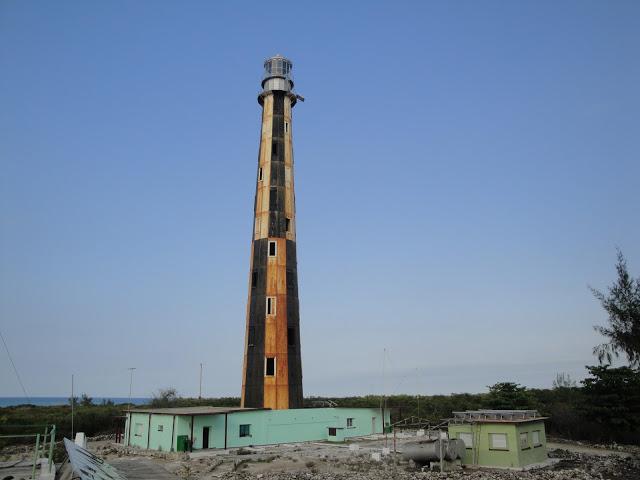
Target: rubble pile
571	466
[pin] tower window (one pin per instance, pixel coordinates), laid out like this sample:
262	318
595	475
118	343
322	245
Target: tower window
254	279
271	305
291	333
286	127
260	174
287	224
269	366
272	249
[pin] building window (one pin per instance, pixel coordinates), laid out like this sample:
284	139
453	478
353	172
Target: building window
535	438
332	431
271	305
498	441
524	440
254	279
287	224
286	127
467	438
160	428
269	366
138	430
245	430
251	341
291	336
260	174
349	422
273	249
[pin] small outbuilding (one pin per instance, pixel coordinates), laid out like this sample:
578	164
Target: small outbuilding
179	429
501	438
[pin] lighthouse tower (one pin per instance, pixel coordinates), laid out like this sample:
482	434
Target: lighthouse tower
272	370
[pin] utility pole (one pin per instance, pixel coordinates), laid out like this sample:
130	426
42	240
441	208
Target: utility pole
73	400
200	393
131	369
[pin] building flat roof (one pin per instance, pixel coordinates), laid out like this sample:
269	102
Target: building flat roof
193	410
496	416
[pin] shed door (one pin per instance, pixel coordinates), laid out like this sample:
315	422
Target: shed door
205	437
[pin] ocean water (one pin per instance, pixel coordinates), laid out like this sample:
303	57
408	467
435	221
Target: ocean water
48	401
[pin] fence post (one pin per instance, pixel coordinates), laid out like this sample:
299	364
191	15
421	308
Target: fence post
35	457
51	444
44	439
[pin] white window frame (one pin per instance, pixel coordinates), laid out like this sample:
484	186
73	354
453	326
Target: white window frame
493	445
536	442
275	248
270	306
275	366
467	438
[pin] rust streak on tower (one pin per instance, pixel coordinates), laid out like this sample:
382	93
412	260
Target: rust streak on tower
272	370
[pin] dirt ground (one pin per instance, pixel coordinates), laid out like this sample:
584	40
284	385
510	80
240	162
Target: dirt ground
349	461
353	460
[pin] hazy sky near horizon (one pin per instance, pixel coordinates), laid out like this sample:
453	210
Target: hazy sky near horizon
464	170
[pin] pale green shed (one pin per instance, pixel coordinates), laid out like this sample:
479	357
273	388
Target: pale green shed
169	429
501	438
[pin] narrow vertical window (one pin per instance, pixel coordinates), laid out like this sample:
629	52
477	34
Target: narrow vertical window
260	174
287	223
274	148
286	127
271	305
273	249
254	279
269	366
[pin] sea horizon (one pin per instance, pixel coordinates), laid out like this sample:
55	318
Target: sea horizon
54	401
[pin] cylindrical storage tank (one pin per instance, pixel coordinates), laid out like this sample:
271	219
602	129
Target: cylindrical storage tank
429	450
455	449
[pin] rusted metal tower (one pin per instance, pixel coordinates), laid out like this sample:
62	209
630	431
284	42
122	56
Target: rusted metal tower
272	370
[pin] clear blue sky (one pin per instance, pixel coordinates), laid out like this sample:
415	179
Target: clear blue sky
463	171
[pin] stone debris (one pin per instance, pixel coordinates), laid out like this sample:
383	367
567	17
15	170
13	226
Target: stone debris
372	459
571	466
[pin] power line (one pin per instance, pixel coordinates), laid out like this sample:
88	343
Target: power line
14	368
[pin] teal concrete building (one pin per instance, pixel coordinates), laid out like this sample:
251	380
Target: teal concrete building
176	429
501	438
